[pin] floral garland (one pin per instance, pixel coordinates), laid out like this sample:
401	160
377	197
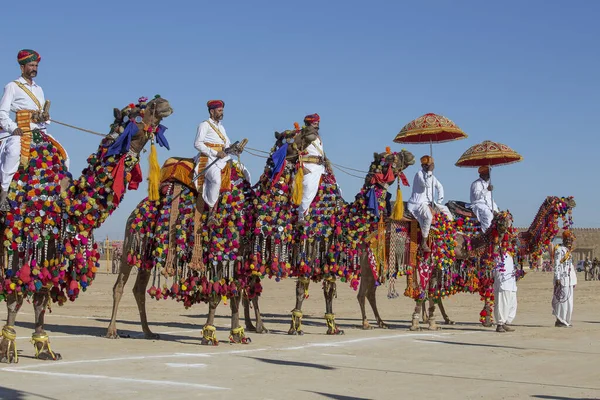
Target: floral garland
545	224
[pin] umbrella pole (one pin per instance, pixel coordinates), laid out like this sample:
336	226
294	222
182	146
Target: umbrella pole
432	177
491	192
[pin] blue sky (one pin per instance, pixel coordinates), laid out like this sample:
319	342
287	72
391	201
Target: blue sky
522	73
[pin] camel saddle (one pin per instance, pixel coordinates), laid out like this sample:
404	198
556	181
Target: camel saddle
181	170
457	208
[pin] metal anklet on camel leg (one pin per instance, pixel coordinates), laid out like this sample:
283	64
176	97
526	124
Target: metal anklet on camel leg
209	335
415	322
332	328
296	328
41	343
9	338
238	335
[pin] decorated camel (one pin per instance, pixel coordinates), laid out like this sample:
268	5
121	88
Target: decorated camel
48	250
188	258
327	245
464	260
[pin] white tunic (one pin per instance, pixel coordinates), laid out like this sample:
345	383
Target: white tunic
311	179
422	184
206	134
15	99
480	195
505	292
566	276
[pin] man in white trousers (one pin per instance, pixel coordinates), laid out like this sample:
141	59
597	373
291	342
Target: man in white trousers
22	94
211	141
505	294
421	201
565	280
481	199
313	159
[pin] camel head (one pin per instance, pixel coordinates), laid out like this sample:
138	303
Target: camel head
147	116
503	222
388	166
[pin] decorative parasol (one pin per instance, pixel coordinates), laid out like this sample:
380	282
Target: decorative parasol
488	153
430	128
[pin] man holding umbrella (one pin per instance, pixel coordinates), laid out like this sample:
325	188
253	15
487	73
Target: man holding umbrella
482	203
422	202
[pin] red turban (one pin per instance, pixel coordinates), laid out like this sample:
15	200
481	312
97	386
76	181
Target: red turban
212	104
26	56
312	118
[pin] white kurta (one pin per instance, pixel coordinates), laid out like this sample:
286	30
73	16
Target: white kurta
15	99
422	197
565	279
482	204
312	176
212	178
505	292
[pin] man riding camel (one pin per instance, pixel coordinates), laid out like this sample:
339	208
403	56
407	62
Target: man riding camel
313	159
421	201
25	98
481	199
211	142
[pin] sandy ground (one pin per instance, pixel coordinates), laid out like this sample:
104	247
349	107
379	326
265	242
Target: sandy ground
462	361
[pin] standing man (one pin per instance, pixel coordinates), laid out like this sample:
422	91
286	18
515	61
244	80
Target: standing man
211	141
481	199
421	202
23	94
505	294
313	159
565	279
587	269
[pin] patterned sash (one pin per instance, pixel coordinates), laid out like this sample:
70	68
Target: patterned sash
30	94
218	132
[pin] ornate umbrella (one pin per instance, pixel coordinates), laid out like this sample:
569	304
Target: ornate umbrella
430	128
488	153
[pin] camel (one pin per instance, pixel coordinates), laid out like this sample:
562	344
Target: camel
469	274
170	240
48	233
327	245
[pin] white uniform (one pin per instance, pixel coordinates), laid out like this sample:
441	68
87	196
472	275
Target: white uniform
13	100
482	204
216	135
312	176
505	292
422	197
565	274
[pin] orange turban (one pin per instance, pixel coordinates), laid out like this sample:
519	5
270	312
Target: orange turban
212	104
483	170
568	234
426	160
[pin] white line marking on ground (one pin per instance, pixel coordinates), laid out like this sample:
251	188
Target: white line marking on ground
179	365
118	379
340	343
337	355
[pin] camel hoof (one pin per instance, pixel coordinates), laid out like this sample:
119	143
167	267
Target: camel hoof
383	325
336	331
9	360
487	324
434	328
209	342
414	328
250	328
112	335
449	322
294	332
238	340
261	330
366	326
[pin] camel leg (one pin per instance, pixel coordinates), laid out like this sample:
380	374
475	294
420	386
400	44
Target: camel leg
432	324
488	318
365	286
237	334
329	291
8	345
373	302
247	320
139	292
424	315
209	332
124	271
415	317
260	326
40	337
447	319
301	290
